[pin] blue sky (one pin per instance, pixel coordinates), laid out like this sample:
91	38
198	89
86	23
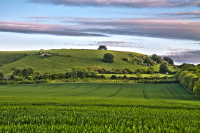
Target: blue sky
163	27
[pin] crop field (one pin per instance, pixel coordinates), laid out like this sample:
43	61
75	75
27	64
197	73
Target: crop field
98	107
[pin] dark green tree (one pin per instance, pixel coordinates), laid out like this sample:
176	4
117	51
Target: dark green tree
108	58
150	71
102	47
113	77
148	61
27	71
156	58
1	75
164	68
169	60
17	71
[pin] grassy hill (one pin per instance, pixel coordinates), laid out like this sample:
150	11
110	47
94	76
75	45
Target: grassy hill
69	58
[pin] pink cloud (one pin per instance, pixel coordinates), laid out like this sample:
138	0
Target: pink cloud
123	3
38	28
172	29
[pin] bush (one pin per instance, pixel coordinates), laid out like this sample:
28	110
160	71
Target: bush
103	77
124	77
108	58
196	88
164	68
1	75
113	77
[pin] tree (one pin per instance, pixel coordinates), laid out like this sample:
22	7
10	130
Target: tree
1	75
156	58
164	68
196	88
150	71
169	60
108	58
102	47
27	71
17	71
113	77
148	61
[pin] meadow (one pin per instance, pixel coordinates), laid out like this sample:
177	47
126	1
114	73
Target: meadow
98	107
68	59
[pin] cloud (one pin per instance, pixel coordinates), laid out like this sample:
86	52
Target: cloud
38	28
172	29
160	28
113	44
123	3
182	15
185	56
81	26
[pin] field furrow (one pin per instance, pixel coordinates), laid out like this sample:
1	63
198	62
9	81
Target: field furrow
100	90
88	91
171	92
114	94
145	93
177	93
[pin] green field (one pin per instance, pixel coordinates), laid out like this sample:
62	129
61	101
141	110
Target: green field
99	90
69	58
98	107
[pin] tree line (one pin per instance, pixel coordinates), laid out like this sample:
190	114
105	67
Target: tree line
27	75
189	77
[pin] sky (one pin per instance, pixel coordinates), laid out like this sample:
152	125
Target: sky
164	27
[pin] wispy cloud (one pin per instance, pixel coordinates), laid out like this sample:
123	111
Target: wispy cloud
80	26
181	15
185	56
38	28
112	44
123	3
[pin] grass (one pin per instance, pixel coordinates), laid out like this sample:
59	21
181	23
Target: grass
98	107
60	64
99	90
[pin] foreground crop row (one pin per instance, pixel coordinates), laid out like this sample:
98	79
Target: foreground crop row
100	116
98	107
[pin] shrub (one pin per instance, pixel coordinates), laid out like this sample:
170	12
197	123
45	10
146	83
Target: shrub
124	77
108	58
1	75
113	77
164	68
125	59
196	88
25	54
103	77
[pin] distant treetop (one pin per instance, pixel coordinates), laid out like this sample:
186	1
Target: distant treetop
102	47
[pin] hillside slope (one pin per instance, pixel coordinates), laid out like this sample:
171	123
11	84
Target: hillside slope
69	58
